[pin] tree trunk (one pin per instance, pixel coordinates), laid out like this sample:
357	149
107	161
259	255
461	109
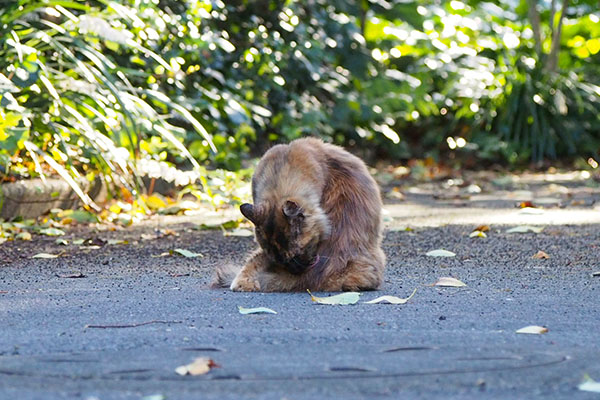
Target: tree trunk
534	17
552	64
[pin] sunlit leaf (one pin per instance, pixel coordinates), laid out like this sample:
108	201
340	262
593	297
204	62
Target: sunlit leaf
541	255
155	202
199	366
338	299
238	232
45	255
440	253
391	299
256	310
477	234
23	236
116	241
52	232
187	253
525	229
589	385
533	329
447	281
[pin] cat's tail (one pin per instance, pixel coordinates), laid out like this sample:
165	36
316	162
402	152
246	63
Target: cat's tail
224	275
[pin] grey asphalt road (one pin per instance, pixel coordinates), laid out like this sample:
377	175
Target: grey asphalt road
445	343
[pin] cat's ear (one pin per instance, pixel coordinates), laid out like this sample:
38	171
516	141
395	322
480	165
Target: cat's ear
291	209
248	212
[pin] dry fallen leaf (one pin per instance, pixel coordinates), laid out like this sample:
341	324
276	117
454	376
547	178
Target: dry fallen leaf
391	299
533	329
479	234
199	366
447	281
23	236
116	241
72	276
589	385
526	204
338	299
52	232
45	255
256	310
541	255
482	228
238	232
440	253
597	273
187	253
525	229
163	254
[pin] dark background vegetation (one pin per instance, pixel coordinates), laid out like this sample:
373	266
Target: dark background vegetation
117	89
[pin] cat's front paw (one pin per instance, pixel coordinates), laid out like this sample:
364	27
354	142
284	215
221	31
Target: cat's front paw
245	284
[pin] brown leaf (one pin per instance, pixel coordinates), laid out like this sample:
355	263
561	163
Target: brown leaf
482	228
526	204
199	366
541	255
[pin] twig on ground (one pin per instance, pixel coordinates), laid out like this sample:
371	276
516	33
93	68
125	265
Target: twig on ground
155	321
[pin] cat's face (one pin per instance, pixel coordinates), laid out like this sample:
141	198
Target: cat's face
288	233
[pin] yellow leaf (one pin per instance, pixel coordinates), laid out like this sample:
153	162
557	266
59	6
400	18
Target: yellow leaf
478	234
155	202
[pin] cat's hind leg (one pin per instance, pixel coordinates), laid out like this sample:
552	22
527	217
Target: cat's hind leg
247	280
364	272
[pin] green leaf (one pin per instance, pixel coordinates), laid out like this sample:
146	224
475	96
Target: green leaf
256	310
338	299
187	253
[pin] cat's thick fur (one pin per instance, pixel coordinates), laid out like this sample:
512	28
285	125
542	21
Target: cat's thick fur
317	217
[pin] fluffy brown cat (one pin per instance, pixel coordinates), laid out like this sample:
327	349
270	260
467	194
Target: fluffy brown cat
317	218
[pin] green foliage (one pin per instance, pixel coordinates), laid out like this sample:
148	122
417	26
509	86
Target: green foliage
72	94
109	88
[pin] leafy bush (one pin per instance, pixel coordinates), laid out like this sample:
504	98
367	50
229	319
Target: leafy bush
116	88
